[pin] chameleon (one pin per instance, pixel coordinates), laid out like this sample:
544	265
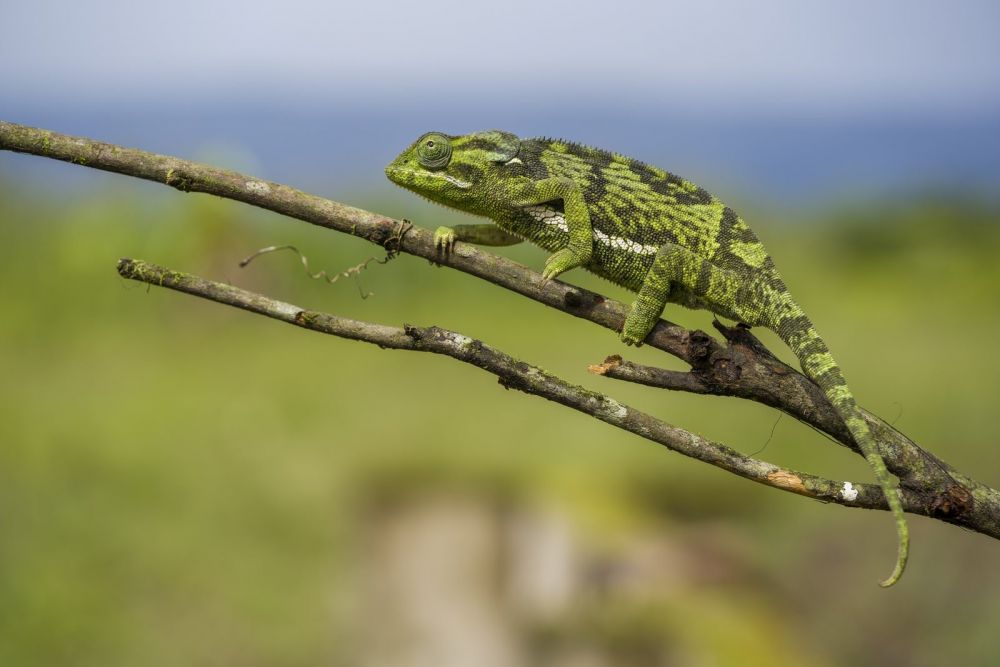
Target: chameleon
652	232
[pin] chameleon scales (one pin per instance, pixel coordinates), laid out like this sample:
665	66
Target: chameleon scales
643	228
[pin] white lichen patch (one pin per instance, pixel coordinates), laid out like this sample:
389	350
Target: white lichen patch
258	187
849	493
613	409
460	339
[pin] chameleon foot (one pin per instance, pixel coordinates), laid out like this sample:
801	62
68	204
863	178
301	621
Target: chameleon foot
640	321
560	262
444	239
632	337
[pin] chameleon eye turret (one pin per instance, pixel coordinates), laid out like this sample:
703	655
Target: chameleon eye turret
434	150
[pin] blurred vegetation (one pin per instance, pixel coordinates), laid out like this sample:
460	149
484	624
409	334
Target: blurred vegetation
182	483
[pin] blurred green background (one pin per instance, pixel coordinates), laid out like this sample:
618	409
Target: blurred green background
183	483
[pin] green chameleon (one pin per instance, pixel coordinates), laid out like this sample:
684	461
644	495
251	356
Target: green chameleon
641	227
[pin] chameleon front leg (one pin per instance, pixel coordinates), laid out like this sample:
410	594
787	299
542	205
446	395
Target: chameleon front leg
580	246
675	265
488	234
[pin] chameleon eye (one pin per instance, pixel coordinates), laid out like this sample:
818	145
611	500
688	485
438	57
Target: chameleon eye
434	151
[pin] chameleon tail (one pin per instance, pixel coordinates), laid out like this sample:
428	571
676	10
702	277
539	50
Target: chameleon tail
798	333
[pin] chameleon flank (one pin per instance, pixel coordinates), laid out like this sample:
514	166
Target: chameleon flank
643	228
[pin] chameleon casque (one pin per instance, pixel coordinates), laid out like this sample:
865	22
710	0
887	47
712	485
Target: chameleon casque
640	227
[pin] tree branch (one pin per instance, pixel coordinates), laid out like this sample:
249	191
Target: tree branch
739	367
515	374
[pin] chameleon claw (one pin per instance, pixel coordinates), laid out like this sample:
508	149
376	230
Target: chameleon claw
631	340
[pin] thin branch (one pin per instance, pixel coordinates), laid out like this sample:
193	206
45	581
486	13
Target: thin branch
740	367
515	374
616	368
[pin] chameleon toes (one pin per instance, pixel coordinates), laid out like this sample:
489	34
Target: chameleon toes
629	337
444	239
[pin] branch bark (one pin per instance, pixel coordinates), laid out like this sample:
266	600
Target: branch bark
515	374
741	366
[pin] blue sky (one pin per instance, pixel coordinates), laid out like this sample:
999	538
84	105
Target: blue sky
779	96
836	57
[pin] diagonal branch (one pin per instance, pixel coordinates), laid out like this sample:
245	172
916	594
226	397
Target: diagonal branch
515	374
739	367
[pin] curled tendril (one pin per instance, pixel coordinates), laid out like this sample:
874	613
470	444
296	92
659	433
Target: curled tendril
434	150
391	246
352	272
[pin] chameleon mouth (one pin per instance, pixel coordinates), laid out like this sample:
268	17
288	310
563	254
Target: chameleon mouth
457	182
397	174
405	177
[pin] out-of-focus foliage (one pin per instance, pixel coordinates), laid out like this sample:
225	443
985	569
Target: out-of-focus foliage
182	483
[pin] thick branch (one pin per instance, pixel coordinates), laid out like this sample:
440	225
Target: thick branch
742	367
746	369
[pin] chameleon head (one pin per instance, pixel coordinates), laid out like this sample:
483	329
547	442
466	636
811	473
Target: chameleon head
454	171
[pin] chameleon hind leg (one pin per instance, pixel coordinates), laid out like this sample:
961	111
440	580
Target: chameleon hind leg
675	266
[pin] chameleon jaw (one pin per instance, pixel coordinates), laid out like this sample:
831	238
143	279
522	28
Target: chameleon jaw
400	176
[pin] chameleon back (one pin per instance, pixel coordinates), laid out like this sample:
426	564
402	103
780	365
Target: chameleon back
635	209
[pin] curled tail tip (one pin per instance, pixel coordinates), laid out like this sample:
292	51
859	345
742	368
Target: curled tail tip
818	364
895	576
901	558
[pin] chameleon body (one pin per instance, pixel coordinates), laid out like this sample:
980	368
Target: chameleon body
639	226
